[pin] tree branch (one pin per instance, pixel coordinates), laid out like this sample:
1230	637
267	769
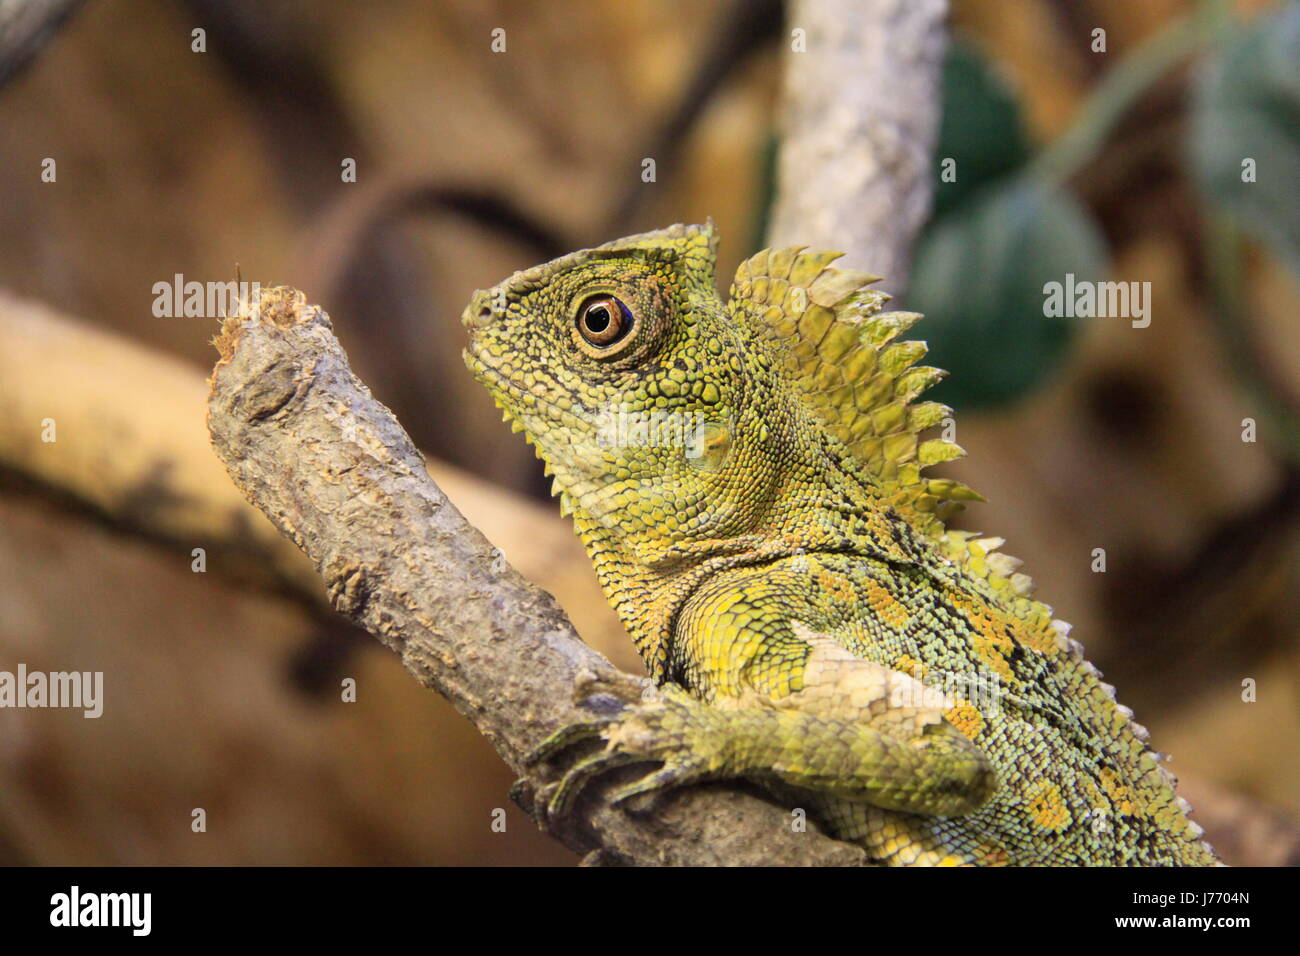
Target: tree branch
859	121
308	445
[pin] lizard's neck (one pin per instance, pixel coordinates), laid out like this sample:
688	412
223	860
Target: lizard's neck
648	588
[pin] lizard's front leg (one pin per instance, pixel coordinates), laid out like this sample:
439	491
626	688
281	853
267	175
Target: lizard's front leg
793	707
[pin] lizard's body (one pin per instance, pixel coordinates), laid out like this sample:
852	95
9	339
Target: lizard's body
770	544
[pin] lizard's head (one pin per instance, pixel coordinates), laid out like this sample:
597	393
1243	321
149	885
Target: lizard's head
624	368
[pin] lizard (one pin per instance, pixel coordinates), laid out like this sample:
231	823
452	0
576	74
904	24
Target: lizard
748	479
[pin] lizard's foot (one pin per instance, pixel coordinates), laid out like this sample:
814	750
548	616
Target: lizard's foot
671	729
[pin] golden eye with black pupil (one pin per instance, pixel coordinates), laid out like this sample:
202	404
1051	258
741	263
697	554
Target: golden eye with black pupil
603	320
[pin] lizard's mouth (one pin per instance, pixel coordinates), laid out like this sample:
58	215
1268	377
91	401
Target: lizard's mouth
507	392
518	401
531	410
473	357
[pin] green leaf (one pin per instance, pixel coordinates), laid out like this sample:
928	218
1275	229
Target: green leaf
1246	106
981	129
978	277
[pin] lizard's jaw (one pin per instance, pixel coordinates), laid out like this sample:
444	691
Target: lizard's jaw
525	403
580	474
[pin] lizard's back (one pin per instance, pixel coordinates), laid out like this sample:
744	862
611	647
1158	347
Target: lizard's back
1077	783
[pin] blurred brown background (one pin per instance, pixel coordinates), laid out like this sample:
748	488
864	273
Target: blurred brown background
222	688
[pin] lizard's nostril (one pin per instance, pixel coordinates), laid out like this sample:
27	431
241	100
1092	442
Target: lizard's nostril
480	317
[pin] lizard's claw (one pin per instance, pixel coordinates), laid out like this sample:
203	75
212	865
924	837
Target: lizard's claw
568	790
673	774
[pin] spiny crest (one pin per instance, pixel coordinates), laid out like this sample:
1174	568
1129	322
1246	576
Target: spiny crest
979	557
841	349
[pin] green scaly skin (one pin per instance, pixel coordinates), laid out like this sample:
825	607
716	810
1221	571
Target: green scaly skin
761	523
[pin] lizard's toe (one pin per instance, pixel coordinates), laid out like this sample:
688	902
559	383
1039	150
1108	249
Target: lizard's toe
580	776
563	739
674	774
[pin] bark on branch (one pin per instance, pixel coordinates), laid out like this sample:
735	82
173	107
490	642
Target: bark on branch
307	444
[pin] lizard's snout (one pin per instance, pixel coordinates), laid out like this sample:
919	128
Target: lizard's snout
479	313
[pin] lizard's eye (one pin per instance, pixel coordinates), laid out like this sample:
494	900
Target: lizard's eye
603	320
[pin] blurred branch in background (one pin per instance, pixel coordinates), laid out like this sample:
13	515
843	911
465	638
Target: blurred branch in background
743	28
125	439
353	224
25	27
274	56
861	111
1119	89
